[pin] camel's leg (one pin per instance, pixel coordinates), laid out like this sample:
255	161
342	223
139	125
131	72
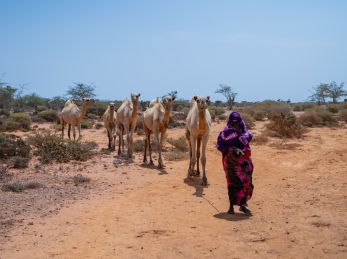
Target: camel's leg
109	138
203	161
120	141
193	155
126	127
62	128
198	146
147	133
73	131
150	148
79	130
68	130
132	129
190	148
114	134
159	146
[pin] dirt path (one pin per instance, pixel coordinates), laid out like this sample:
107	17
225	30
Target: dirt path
299	210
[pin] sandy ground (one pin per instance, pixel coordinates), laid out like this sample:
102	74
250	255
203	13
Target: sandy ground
132	210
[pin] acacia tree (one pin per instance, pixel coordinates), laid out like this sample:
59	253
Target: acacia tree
229	93
319	94
173	94
80	90
335	92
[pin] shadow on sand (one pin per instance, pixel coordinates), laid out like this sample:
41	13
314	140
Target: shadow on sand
196	183
162	171
232	217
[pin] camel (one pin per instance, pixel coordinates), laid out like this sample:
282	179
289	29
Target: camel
111	125
126	117
72	115
155	120
198	130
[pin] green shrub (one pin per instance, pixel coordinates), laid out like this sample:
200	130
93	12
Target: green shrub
213	114
85	124
18	121
139	123
217	110
18	162
48	115
41	108
51	147
248	120
250	110
5	112
222	117
13	148
180	143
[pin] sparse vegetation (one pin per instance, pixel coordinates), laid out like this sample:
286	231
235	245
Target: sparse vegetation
80	179
317	116
48	115
285	125
18	121
18	187
180	143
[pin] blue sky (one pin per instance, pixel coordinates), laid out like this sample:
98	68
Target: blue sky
262	49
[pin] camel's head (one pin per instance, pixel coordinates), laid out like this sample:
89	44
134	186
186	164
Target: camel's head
202	102
111	106
167	101
88	101
135	98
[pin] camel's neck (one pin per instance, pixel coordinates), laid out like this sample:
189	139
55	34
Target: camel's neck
135	110
166	116
202	120
84	111
111	115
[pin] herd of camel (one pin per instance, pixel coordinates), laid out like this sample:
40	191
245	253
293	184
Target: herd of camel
155	120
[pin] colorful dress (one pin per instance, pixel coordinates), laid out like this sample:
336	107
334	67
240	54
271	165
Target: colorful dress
238	168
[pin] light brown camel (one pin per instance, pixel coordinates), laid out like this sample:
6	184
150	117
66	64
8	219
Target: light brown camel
126	117
155	120
198	130
111	125
72	116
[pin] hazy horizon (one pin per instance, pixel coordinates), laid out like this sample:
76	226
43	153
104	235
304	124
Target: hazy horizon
262	49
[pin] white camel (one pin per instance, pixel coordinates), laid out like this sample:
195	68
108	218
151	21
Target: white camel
72	116
111	125
155	120
126	117
198	130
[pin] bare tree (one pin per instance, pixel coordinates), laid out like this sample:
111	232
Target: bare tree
229	93
319	94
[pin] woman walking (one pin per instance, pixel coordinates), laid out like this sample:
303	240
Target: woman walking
233	142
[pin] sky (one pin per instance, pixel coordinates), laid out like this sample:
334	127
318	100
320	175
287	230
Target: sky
261	49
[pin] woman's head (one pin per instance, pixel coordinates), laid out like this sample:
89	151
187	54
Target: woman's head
235	119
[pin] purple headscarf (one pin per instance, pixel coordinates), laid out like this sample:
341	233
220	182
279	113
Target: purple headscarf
229	137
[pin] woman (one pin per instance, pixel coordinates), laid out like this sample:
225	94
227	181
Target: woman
233	142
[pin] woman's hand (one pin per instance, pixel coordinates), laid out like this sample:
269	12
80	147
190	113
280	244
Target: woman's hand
237	151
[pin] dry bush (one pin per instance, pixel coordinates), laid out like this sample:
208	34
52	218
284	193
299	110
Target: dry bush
248	120
285	125
317	116
281	108
260	139
99	125
250	110
175	155
333	108
51	147
288	146
139	145
222	117
18	187
343	115
18	162
18	121
56	127
259	115
139	124
48	115
180	143
80	179
4	174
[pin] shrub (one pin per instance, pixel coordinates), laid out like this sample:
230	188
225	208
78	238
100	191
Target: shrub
18	121
259	115
139	145
80	179
285	125
4	174
222	117
180	143
175	155
278	109
51	147
41	108
48	115
5	112
213	114
18	162
99	125
248	110
139	123
297	108
18	187
343	115
13	148
248	120
85	124
317	116
217	110
333	108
